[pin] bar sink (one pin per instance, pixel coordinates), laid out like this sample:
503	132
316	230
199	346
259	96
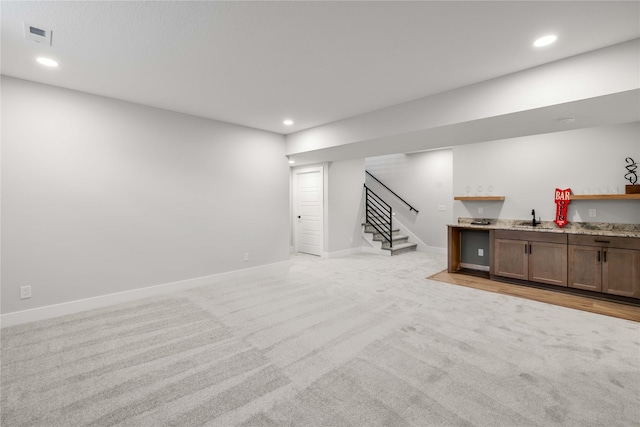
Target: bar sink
529	224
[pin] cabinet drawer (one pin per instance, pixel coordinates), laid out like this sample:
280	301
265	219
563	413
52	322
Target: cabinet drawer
605	241
531	236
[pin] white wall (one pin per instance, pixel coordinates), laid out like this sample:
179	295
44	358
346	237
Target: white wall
527	171
595	74
345	205
425	181
102	196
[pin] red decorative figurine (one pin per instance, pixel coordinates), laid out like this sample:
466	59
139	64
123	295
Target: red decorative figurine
563	198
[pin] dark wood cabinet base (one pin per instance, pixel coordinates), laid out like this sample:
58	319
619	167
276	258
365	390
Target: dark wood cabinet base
622	308
606	268
560	290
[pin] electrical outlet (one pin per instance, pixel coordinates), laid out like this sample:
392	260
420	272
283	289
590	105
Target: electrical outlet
480	252
442	208
480	211
25	292
592	213
246	256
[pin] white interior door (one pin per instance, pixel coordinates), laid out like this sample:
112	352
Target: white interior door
309	210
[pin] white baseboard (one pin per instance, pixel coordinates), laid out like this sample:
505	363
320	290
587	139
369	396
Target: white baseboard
433	249
344	252
422	247
71	307
373	246
370	250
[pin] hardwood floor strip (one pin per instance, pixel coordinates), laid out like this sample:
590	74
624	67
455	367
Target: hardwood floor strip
577	302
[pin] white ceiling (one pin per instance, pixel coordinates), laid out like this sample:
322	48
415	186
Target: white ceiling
257	63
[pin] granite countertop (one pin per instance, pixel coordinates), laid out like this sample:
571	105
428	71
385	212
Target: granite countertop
590	228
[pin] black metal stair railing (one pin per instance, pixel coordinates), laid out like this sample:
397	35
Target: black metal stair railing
411	208
378	215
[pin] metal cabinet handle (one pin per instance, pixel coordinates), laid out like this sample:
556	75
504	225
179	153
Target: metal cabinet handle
598	256
604	256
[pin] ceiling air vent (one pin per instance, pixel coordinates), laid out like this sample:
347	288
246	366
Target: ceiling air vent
37	34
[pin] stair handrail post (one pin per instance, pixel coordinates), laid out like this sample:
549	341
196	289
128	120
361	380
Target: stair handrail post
366	204
390	227
374	205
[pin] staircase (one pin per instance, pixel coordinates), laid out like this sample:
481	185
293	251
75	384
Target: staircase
378	227
377	241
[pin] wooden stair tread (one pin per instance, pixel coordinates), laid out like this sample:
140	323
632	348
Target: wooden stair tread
399	241
378	237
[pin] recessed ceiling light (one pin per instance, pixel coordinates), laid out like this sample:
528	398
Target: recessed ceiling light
291	162
288	122
545	41
47	62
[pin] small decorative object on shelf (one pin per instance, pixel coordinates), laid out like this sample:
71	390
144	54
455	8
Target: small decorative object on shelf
632	177
563	198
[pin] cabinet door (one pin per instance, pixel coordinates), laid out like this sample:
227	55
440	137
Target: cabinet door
621	272
585	267
548	263
510	259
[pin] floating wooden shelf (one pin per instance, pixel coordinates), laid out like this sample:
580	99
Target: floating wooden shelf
605	197
479	198
573	197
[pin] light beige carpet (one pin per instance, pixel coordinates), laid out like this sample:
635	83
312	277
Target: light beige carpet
362	340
